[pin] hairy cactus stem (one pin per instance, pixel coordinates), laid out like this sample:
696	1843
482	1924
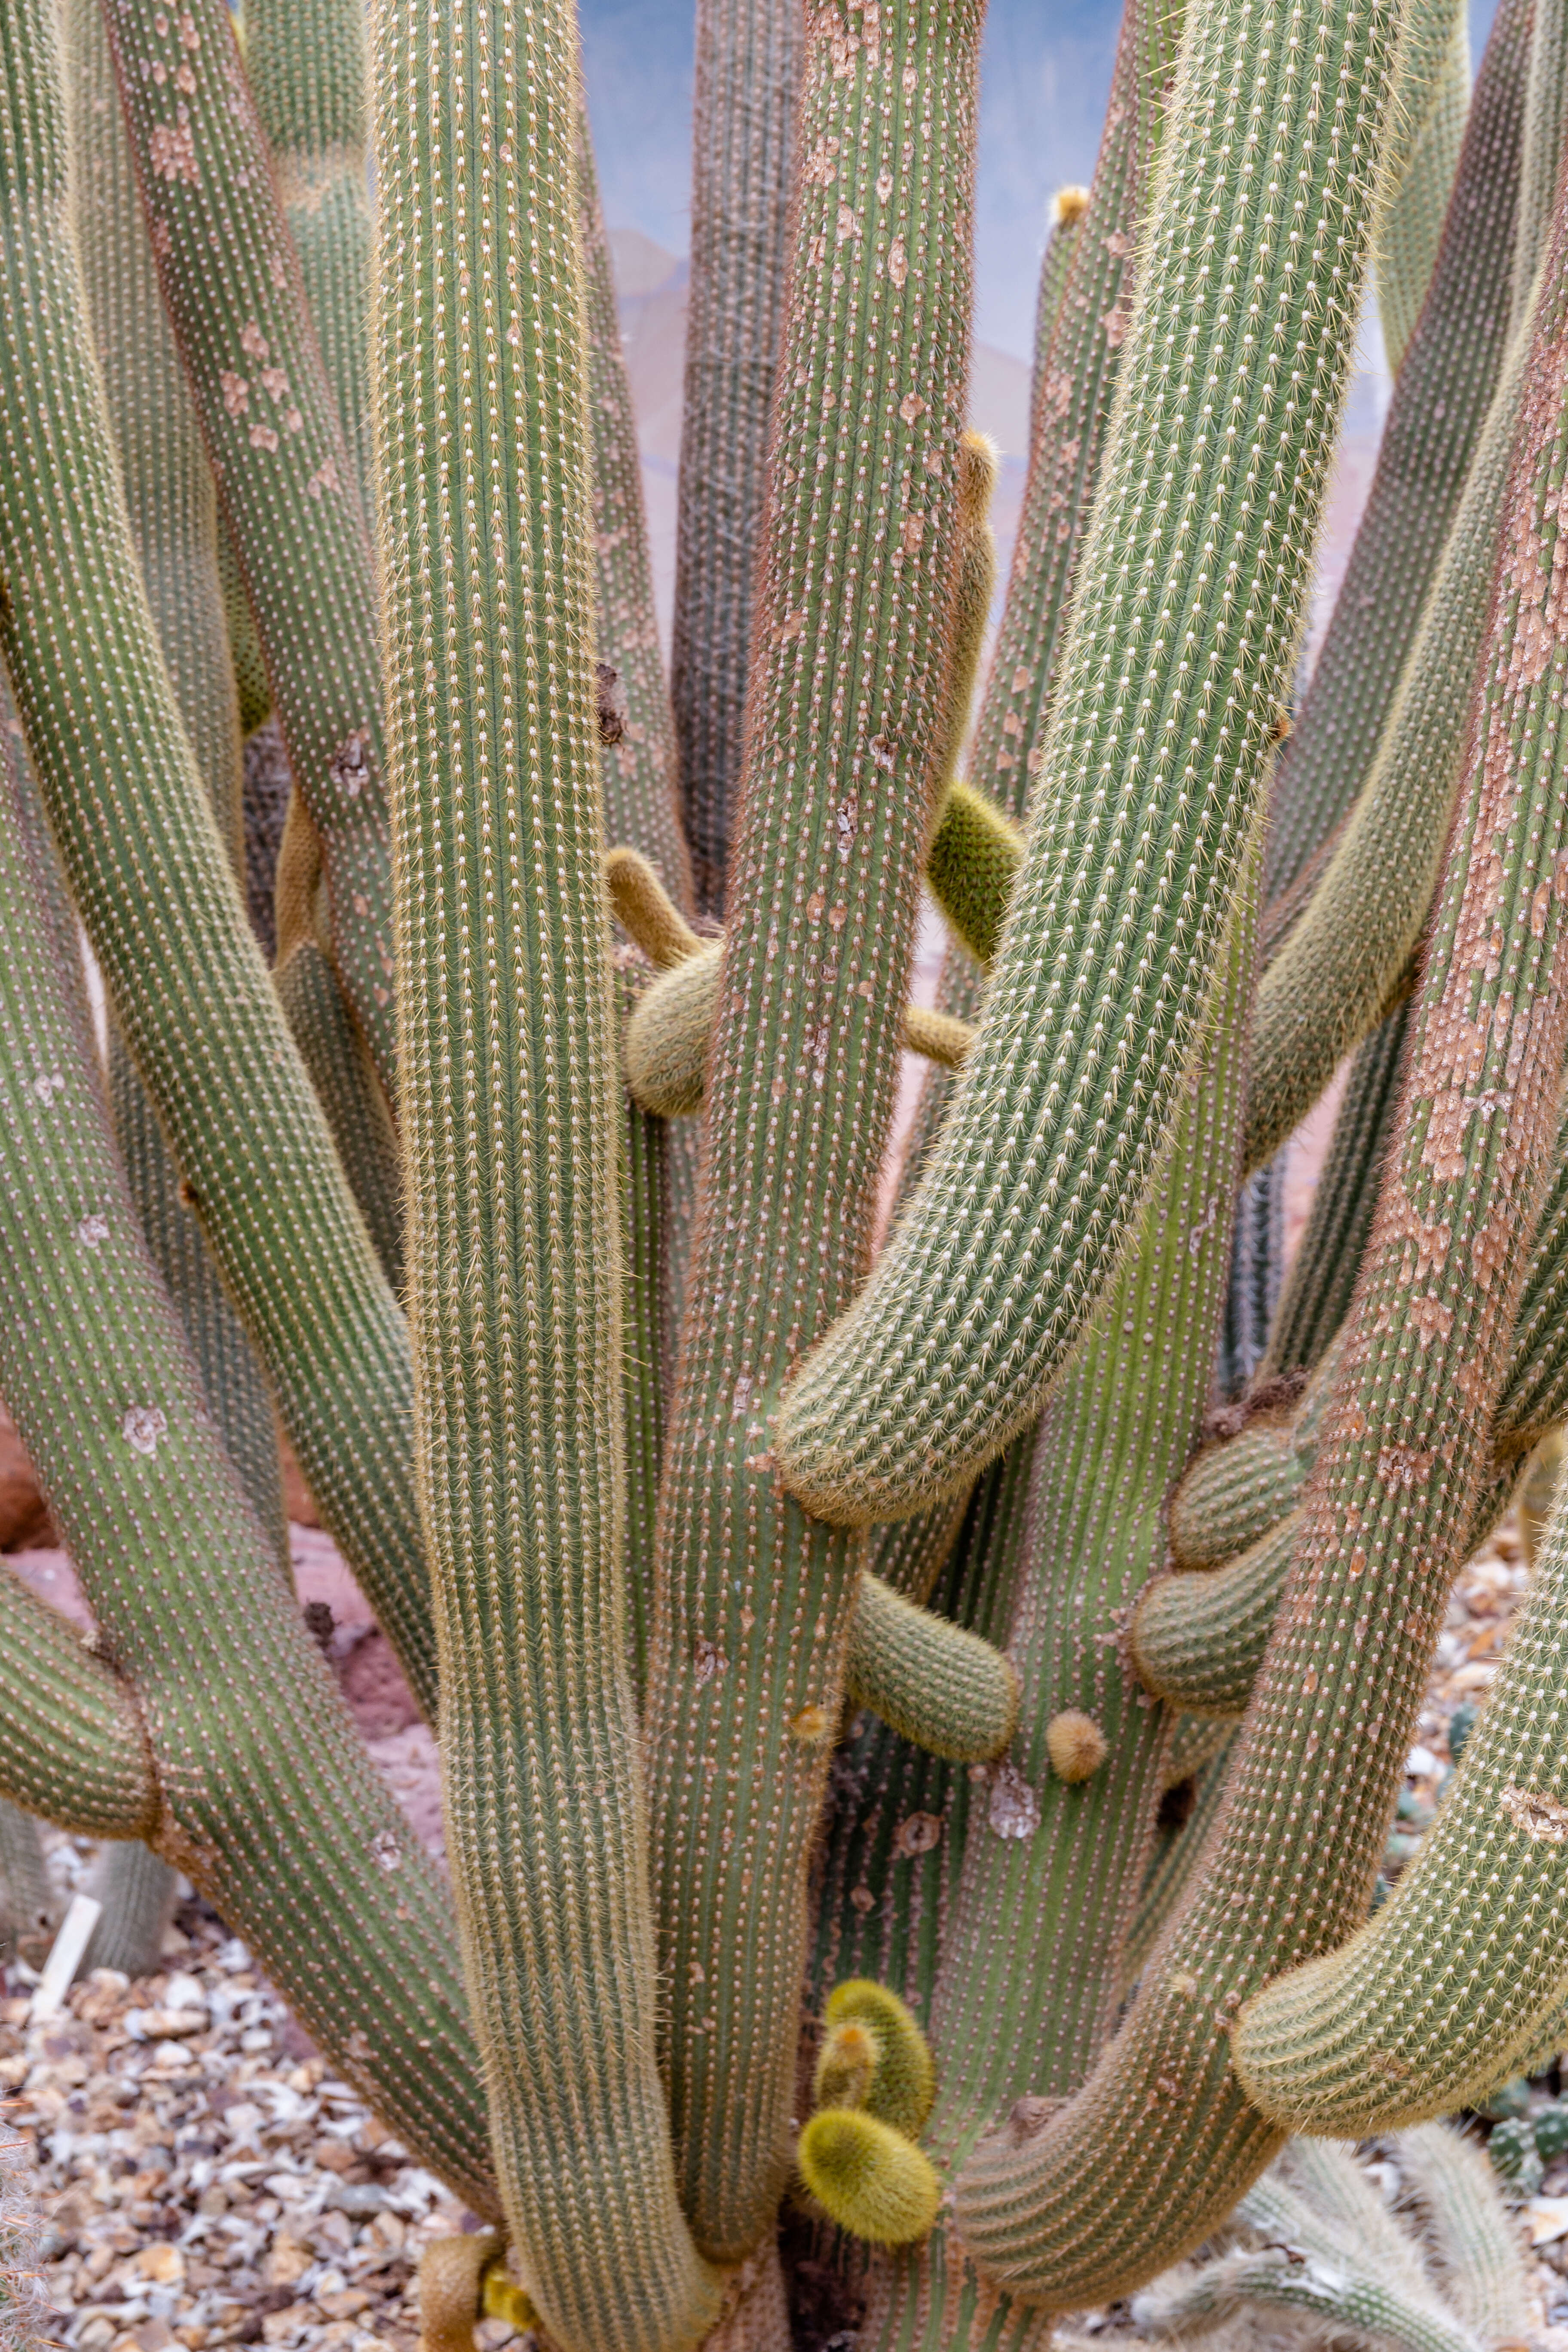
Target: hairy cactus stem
510	1108
186	982
754	1601
1050	1144
1413	223
1406	1449
235	300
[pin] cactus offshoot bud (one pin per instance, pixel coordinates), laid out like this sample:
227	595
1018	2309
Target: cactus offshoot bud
845	2064
873	2181
1075	1745
904	2084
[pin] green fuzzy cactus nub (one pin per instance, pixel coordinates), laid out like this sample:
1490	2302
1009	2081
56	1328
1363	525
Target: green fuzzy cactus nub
971	865
945	1689
875	2183
903	2082
845	2064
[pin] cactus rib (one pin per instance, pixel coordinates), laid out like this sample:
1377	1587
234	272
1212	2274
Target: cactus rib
845	712
1403	1456
511	1113
1130	864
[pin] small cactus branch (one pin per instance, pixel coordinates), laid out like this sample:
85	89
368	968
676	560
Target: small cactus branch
641	799
1413	225
236	302
512	1109
1316	1295
937	1684
1435	419
1403	1460
854	620
973	585
350	1093
647	912
1068	206
1473	2241
138	1891
29	1906
72	1744
971	865
748	68
1048	1147
1198	1639
186	982
183	1585
1344	2301
306	64
1235	1491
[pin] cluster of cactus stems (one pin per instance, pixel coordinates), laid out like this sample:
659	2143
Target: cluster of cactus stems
916	1753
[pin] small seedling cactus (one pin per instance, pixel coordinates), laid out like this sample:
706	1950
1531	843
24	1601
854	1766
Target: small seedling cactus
916	1756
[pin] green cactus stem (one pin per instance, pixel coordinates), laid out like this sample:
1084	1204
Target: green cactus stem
251	683
1197	1640
308	67
173	521
350	1094
1048	1147
1309	1793
1068	206
974	584
1439	404
872	2181
644	1201
1474	2244
511	1113
137	1890
186	982
641	800
27	1902
1178	1856
1235	1489
183	1585
72	1748
1316	1295
749	62
236	302
755	1599
1413	224
1193	1742
937	1684
903	2080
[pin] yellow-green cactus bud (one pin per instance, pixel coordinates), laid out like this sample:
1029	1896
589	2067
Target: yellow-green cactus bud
1075	1745
845	2064
971	865
904	2083
873	2181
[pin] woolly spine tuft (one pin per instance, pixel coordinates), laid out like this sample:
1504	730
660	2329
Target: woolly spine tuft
1068	205
1076	1746
1049	1143
870	2180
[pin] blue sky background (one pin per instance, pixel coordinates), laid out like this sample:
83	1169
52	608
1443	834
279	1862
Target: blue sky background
1045	70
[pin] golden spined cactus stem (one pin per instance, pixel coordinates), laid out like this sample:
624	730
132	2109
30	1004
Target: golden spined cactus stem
1114	933
846	713
510	1114
1166	2116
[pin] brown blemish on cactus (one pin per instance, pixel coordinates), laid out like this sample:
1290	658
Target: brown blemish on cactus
1539	1816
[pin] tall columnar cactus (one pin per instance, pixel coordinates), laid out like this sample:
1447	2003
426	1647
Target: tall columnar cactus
1131	863
510	1117
1404	1452
186	982
846	712
1413	224
749	59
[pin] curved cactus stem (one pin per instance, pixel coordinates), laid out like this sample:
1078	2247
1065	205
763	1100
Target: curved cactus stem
185	983
452	2289
936	1683
307	63
748	70
1236	1490
872	2181
1413	224
1439	407
641	800
1319	2286
1347	961
647	912
510	1108
72	1748
1311	1788
1471	2235
174	520
754	1601
1316	1297
1424	2010
236	302
1050	1140
349	1095
181	1581
1349	2213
